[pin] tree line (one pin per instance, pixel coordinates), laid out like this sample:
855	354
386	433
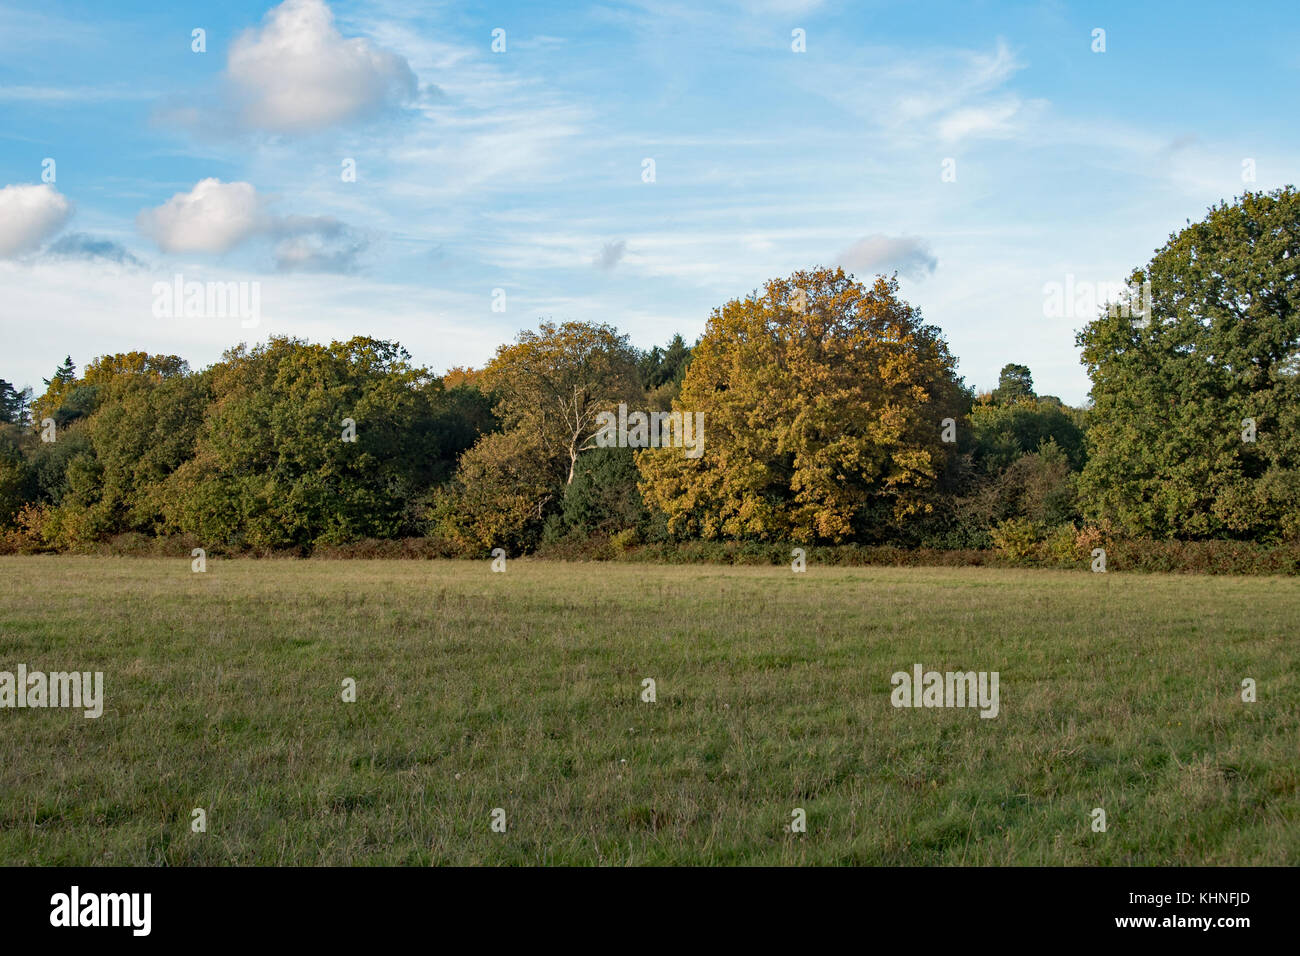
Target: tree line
833	414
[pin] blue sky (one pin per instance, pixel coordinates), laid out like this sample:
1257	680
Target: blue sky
522	170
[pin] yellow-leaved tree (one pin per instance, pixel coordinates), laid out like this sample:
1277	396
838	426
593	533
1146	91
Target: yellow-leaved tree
550	385
824	403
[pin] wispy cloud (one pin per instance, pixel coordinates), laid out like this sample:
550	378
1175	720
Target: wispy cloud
937	94
316	244
50	95
79	245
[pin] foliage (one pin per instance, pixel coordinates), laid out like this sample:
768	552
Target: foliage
822	401
57	388
252	452
1172	395
553	382
1015	382
1002	433
500	496
662	366
275	465
14	403
603	496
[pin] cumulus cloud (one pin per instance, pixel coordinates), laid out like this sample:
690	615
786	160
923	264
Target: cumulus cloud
28	216
79	245
212	217
610	254
216	217
884	254
298	73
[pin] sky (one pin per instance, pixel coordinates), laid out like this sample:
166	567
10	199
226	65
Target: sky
446	174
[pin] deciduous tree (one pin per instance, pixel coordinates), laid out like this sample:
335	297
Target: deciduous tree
1178	396
823	402
553	383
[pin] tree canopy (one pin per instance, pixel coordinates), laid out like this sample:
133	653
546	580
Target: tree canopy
824	402
1014	383
823	410
554	381
1195	426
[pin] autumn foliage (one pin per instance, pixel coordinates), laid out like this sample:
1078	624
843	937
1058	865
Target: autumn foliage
830	413
824	400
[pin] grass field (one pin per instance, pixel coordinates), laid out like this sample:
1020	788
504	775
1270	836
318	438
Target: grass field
522	691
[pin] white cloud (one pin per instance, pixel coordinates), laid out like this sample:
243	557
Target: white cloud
212	217
216	217
883	254
28	216
298	73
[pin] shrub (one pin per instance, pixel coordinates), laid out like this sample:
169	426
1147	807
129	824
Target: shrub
1060	546
624	540
1017	538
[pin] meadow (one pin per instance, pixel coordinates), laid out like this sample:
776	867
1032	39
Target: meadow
522	691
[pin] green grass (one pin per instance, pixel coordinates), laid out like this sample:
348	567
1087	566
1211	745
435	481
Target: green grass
522	691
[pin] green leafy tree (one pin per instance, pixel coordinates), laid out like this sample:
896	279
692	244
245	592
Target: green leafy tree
141	436
91	477
16	479
274	465
14	403
500	496
550	386
660	366
662	371
603	496
1014	384
1001	433
1177	394
57	389
65	374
